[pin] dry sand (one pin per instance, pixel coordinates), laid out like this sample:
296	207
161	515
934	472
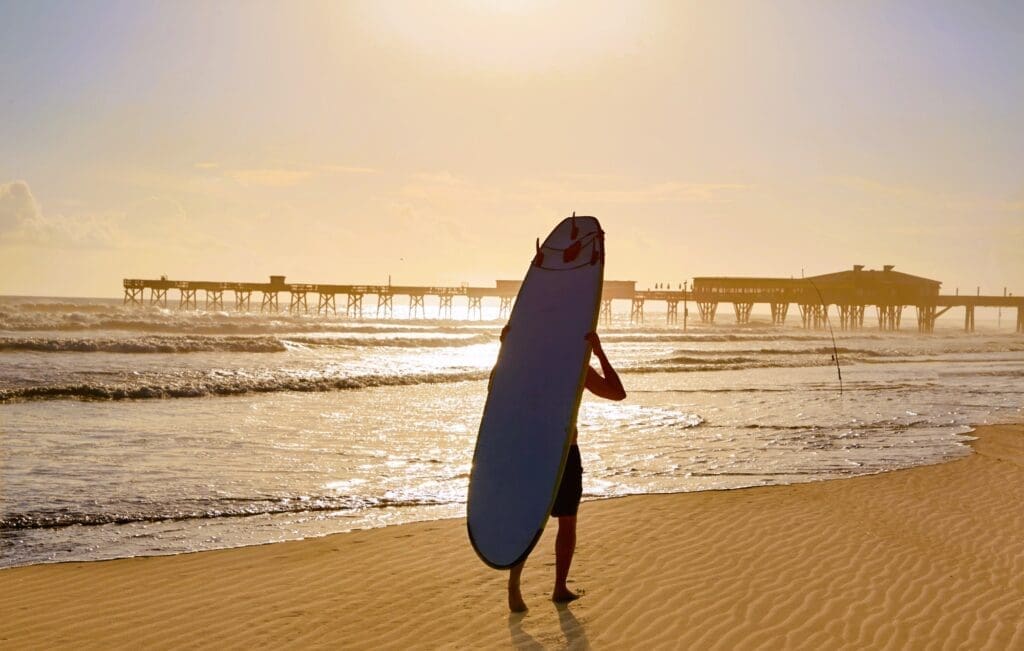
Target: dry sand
924	558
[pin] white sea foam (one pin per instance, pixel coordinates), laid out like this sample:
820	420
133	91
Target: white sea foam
143	344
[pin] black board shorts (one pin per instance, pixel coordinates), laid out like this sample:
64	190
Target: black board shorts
567	502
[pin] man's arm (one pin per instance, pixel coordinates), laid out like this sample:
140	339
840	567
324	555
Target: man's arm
501	340
610	386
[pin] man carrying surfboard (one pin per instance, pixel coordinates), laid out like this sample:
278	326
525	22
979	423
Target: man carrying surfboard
605	384
526	466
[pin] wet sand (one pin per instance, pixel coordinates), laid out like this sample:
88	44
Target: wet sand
926	557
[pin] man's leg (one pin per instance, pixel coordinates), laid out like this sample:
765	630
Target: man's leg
565	546
515	597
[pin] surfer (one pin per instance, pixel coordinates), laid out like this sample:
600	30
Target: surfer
605	384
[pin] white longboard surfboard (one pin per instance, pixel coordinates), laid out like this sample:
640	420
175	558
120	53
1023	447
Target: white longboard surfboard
534	394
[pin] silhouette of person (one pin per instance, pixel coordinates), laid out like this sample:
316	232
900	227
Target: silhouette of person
570	491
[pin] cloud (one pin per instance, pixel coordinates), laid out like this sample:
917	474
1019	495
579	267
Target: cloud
445	186
19	210
273	178
597	189
347	169
280	177
161	221
585	189
931	199
22	220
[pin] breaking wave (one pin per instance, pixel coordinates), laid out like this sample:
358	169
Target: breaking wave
226	343
733	364
220	508
76	318
150	344
396	342
659	337
820	350
224	385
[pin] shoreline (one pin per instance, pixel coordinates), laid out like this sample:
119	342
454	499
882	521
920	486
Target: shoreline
966	445
929	554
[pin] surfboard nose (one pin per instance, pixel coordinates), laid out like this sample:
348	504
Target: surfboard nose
575	241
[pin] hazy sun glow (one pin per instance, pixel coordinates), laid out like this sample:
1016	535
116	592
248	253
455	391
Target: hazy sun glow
525	36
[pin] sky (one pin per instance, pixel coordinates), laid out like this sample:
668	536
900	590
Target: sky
432	142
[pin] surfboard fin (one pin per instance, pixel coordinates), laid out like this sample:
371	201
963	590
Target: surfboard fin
572	252
538	260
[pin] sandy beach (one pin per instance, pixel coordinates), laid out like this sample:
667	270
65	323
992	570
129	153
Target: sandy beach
926	557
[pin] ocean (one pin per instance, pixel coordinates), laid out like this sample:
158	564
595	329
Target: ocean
128	432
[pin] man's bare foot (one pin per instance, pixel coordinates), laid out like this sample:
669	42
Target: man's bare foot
564	595
515	595
516	603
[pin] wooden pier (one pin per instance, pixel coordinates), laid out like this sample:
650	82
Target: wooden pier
847	295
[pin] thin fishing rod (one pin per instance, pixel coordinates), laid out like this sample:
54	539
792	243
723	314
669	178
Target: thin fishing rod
835	350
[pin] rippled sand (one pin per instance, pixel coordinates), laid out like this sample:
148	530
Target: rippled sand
926	557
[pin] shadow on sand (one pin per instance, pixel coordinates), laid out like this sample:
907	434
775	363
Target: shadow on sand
572	629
